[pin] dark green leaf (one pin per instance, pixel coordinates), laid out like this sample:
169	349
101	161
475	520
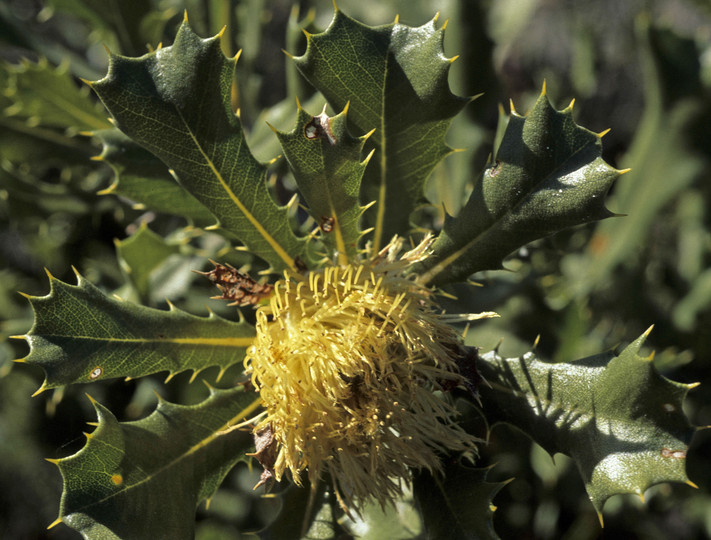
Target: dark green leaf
548	175
81	335
395	79
145	479
176	103
327	164
458	503
616	416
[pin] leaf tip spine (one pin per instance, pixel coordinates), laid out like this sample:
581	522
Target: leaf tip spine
692	385
543	88
599	517
87	82
91	399
690	483
570	106
365	162
49	274
53	462
97	158
623	171
335	6
512	107
185	16
454	58
604	132
193	376
108	51
536	341
54	523
397	19
40	390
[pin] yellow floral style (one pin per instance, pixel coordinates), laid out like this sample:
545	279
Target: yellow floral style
352	363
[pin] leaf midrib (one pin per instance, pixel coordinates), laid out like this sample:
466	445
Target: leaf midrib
222	430
278	249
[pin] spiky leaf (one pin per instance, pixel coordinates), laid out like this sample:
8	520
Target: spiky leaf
145	479
395	78
548	174
616	416
144	179
458	503
328	166
176	103
81	335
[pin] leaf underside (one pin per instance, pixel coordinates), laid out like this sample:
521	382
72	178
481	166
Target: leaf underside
80	335
395	79
145	479
548	175
616	416
175	102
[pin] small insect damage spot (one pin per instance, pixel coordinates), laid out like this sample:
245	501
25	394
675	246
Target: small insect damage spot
674	454
496	169
235	286
117	479
96	373
319	127
327	223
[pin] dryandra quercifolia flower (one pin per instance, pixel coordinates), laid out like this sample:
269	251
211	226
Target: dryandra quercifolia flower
351	362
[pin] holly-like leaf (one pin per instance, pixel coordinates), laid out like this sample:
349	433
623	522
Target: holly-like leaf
616	416
328	167
81	335
175	102
548	174
143	178
395	78
145	479
458	503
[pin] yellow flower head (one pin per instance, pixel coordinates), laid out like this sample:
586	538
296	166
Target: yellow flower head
350	362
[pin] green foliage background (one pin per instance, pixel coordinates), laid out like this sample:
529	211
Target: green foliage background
641	68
